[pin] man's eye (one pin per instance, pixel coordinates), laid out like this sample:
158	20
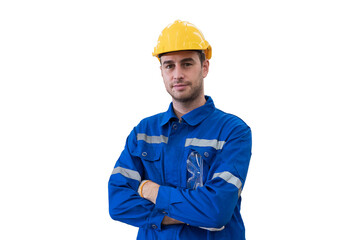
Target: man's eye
169	66
187	64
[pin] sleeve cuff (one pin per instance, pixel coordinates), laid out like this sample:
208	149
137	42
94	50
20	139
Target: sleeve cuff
163	199
155	220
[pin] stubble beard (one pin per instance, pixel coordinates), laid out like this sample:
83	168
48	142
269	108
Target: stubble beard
193	94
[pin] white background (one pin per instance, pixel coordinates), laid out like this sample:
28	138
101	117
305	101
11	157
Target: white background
77	76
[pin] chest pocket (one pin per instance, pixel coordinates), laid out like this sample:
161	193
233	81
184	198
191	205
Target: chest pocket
150	158
207	154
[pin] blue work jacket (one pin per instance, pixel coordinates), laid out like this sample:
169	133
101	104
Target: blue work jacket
157	150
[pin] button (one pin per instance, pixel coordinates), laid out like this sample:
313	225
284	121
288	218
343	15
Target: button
144	154
164	212
175	126
206	154
154	226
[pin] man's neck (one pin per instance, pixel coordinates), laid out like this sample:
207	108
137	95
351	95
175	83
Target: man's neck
182	108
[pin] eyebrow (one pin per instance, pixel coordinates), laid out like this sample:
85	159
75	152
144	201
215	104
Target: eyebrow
187	60
181	61
168	62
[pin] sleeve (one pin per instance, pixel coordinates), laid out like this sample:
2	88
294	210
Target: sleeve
212	205
125	204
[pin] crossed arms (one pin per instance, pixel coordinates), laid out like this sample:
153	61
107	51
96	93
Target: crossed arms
149	190
210	206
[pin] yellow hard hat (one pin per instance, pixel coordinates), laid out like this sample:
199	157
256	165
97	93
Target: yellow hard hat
180	36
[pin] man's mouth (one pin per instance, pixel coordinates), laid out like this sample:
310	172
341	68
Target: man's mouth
180	86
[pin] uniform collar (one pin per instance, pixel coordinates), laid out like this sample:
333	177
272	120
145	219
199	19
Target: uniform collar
194	117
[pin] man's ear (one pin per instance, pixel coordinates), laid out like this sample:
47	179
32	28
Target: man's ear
205	68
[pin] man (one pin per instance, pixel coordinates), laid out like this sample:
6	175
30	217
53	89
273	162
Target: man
182	171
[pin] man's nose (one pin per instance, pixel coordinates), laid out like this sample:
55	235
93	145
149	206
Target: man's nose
178	73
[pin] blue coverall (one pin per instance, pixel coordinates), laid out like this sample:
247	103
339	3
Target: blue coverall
157	150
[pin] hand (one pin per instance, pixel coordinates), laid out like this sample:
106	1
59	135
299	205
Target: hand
150	191
170	221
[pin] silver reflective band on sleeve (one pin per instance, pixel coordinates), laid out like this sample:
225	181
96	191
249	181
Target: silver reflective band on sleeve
204	143
127	173
228	177
213	229
151	139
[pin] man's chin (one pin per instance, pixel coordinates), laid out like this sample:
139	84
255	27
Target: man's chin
184	98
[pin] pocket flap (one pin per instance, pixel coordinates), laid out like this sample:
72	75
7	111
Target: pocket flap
148	153
207	153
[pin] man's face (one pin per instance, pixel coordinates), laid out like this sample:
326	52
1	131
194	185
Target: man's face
183	75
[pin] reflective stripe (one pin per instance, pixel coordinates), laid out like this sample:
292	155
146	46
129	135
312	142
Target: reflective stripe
228	177
213	229
204	143
151	139
127	173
